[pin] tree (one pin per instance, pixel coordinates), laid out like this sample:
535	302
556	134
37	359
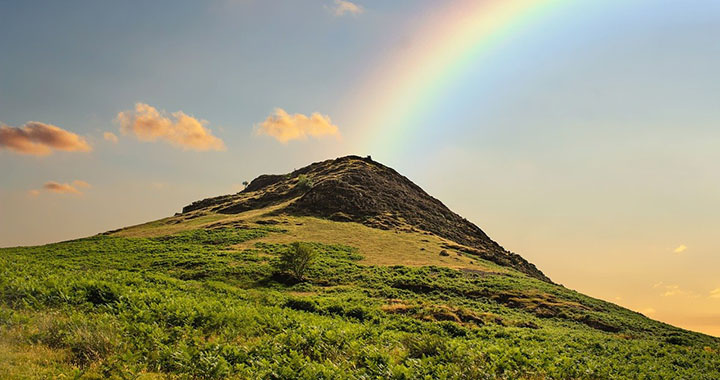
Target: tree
297	259
245	183
304	183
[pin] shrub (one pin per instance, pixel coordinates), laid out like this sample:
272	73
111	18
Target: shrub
304	183
297	259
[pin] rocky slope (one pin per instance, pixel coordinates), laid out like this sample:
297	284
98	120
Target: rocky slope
361	190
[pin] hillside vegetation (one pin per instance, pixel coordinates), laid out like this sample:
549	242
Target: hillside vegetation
200	296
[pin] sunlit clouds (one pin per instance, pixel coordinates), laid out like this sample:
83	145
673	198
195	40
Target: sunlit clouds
40	139
680	249
343	7
285	127
715	293
179	129
671	290
109	136
61	188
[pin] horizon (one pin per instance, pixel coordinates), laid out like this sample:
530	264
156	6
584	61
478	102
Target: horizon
581	136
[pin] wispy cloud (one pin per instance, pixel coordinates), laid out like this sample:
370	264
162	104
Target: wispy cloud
285	127
183	131
40	139
715	293
680	249
62	188
344	7
109	136
670	290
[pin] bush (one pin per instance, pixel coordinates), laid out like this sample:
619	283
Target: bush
304	183
297	259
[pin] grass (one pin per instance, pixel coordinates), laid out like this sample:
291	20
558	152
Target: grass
174	300
408	248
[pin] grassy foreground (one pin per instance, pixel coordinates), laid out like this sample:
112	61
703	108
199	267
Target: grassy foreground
169	300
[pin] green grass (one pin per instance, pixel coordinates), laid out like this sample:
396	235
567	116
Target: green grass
208	304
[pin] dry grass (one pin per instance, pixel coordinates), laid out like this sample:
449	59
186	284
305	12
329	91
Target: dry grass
20	359
379	247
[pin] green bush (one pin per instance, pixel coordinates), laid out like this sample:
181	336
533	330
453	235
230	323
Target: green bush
304	183
297	259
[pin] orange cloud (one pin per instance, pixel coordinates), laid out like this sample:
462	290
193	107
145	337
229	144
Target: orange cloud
186	132
61	188
715	293
79	183
343	7
285	127
40	139
109	136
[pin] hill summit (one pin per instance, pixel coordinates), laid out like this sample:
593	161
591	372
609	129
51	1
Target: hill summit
357	189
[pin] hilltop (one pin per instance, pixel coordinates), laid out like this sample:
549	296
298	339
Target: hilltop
402	288
355	189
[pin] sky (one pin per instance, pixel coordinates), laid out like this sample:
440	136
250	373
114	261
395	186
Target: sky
583	135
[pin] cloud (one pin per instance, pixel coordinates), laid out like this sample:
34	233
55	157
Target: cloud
40	139
79	183
184	131
285	127
343	7
61	188
670	290
680	249
109	136
715	293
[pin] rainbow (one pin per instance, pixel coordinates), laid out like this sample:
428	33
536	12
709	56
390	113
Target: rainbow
451	43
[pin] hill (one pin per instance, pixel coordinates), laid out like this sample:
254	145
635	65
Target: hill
402	288
364	191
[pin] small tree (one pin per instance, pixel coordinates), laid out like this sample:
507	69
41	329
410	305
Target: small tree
304	183
245	183
297	259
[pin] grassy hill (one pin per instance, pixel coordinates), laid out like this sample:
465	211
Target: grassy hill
199	296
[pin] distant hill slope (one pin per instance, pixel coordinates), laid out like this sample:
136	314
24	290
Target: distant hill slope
361	190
